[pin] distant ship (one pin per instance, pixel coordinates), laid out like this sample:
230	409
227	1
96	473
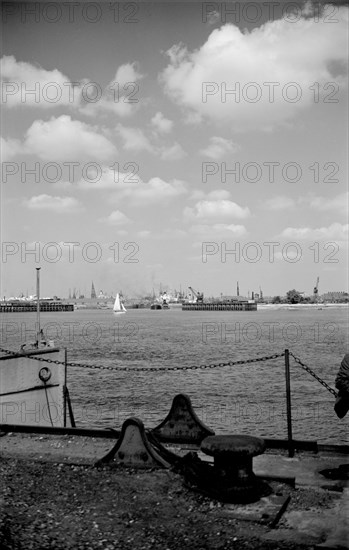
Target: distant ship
156	306
118	305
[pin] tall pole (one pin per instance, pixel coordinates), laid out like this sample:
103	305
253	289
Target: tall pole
65	389
38	304
288	403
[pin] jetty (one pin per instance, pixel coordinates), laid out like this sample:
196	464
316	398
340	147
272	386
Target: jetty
240	305
24	306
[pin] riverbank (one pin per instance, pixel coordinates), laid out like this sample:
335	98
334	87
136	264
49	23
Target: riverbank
302	306
53	497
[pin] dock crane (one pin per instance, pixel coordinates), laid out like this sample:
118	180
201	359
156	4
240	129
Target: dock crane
198	295
316	290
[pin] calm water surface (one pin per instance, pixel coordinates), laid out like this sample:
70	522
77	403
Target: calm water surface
241	399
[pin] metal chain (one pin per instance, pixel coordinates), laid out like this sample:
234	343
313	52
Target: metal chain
151	369
306	368
190	367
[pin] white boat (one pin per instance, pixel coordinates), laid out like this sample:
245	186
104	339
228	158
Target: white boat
118	305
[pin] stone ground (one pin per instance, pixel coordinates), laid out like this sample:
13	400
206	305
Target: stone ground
52	497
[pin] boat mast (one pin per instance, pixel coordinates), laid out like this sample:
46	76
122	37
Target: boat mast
38	335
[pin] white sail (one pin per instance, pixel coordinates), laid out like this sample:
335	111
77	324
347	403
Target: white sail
118	305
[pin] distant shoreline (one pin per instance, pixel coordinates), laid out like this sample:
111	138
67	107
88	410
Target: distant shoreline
300	306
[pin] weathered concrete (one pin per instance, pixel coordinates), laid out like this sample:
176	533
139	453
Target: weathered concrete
304	467
323	526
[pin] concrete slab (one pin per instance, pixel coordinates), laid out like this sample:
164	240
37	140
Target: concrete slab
326	528
338	537
304	467
265	511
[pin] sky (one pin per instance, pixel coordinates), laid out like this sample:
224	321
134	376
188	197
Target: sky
195	143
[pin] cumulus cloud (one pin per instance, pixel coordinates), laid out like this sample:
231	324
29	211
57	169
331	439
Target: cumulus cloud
161	124
9	148
336	232
216	210
64	139
134	139
153	191
143	234
53	204
129	186
339	203
279	203
173	152
109	178
218	229
116	218
25	84
52	88
219	147
248	61
127	73
120	97
216	194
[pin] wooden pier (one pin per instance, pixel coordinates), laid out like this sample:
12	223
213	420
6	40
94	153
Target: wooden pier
221	306
22	307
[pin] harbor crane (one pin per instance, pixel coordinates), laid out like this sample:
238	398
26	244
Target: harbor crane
198	295
316	290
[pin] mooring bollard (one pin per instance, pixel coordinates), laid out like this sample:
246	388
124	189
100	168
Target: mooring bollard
133	448
232	477
182	424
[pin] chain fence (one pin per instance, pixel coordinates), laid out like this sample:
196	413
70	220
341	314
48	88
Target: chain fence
312	373
121	368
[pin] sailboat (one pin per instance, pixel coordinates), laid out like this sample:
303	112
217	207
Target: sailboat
118	305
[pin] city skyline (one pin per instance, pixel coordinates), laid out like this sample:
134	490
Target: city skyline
196	143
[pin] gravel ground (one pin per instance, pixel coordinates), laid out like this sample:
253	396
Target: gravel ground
64	507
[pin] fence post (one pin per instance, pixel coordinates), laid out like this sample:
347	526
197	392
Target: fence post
64	390
288	404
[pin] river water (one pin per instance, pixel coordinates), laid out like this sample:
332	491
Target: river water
234	399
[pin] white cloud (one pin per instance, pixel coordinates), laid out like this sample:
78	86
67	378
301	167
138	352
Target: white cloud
9	148
126	74
339	203
279	203
216	194
213	17
110	179
116	218
52	88
134	139
216	210
155	190
64	139
131	187
56	204
336	231
161	124
120	97
174	152
219	229
274	53
143	234
219	147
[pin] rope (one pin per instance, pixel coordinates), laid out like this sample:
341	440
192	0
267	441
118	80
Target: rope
312	373
48	404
